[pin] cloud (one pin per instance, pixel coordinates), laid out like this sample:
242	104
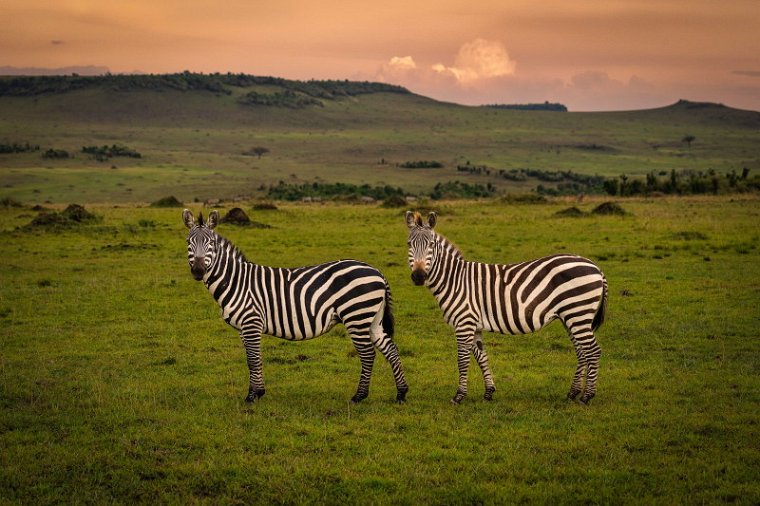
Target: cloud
478	60
402	63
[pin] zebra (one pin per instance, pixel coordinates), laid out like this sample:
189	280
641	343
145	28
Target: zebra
295	304
510	299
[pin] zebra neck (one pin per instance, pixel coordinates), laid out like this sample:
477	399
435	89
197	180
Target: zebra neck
229	265
447	270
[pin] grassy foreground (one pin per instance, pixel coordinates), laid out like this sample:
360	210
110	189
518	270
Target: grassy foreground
120	383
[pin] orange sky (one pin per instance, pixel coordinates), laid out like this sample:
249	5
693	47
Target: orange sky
587	54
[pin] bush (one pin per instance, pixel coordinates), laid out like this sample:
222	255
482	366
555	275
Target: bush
170	201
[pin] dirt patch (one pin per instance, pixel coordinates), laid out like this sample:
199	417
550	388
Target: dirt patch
77	213
170	201
609	208
237	216
570	212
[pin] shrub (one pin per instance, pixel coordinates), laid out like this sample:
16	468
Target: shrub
170	201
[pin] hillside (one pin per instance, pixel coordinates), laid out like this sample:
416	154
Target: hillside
192	131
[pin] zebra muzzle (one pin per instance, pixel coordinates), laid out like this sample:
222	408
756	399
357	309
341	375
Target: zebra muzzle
419	276
197	271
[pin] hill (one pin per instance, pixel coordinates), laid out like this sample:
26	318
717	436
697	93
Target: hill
196	132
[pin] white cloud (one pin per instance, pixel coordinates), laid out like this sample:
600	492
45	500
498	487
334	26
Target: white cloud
402	63
478	60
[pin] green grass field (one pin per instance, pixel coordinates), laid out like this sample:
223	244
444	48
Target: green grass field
189	139
120	383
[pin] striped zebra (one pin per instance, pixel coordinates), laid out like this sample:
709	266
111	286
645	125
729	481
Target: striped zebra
295	304
510	299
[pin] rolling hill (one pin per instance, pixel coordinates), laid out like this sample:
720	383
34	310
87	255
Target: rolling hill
193	130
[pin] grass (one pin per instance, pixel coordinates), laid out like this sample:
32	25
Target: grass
120	383
189	139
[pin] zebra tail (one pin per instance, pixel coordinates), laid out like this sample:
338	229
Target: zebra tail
600	313
388	321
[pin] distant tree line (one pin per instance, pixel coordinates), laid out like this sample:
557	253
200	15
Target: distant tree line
292	191
421	164
16	147
568	182
185	81
683	182
457	189
546	106
103	153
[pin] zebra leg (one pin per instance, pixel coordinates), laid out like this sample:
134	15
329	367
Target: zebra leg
366	352
388	348
580	371
583	338
251	338
465	338
479	352
592	352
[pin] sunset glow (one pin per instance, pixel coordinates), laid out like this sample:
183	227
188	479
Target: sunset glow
622	54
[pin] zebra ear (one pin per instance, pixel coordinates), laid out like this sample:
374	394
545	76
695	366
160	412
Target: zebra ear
409	219
213	219
431	219
187	217
413	219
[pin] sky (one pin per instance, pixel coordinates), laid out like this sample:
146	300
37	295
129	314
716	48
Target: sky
587	54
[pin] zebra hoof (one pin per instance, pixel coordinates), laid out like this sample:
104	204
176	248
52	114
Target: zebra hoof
489	393
586	398
572	394
457	399
357	398
401	396
254	395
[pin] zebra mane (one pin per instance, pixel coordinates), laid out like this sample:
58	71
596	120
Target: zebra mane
451	246
223	241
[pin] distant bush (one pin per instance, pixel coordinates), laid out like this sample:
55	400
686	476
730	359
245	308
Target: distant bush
609	208
292	192
103	153
570	212
170	201
683	182
546	106
422	164
524	198
456	189
395	201
55	153
18	148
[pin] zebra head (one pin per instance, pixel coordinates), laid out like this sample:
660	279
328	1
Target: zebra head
421	239
201	242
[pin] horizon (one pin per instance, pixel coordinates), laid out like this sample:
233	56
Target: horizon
101	71
622	55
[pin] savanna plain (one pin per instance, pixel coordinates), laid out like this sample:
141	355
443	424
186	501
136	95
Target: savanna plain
120	383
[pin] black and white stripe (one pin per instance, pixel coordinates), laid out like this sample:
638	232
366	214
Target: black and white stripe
510	299
295	304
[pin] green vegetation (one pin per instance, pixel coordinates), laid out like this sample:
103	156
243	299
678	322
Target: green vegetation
287	99
546	106
103	153
194	136
120	383
337	191
16	147
422	164
684	182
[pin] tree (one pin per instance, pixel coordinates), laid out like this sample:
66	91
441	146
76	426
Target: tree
258	151
688	139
